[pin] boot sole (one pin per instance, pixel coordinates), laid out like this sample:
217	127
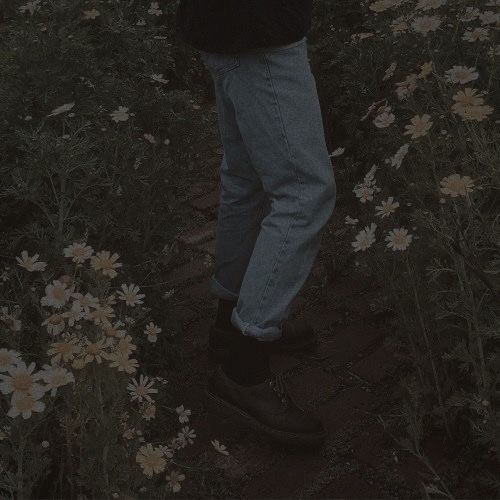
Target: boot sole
237	414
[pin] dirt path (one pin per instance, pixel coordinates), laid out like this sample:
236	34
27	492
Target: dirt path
348	382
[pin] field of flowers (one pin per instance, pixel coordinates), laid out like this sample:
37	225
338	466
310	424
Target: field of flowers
102	115
99	122
416	113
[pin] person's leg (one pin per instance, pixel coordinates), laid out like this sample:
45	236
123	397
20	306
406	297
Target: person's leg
272	132
279	117
242	206
273	145
242	200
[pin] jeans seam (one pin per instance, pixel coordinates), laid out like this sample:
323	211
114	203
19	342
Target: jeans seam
277	105
280	252
273	272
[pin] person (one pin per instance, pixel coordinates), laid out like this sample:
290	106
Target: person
277	192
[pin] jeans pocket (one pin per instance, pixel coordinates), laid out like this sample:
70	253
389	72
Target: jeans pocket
220	63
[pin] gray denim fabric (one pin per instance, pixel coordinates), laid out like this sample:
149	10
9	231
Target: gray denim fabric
277	182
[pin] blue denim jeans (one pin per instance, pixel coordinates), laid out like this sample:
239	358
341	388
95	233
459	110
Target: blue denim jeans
277	182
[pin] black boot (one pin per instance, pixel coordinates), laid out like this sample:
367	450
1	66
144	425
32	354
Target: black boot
244	389
224	310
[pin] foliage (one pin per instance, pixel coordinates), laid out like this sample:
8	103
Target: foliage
99	122
415	93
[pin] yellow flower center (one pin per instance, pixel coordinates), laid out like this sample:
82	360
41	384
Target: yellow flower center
58	293
22	382
55	319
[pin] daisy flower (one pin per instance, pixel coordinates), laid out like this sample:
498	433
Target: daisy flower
120	115
21	379
174	479
388	207
398	239
183	414
25	404
56	376
122	362
151	460
106	263
78	252
454	185
56	294
141	390
65	350
31	263
219	447
130	295
365	238
419	126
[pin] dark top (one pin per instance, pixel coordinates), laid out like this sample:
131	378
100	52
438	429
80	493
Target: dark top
230	26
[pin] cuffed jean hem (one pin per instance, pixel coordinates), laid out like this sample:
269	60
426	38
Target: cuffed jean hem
263	334
223	293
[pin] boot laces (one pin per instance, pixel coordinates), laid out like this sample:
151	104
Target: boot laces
277	383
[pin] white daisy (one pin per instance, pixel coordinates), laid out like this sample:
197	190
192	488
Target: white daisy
398	239
84	302
383	120
55	323
188	434
21	379
30	263
56	294
174	479
455	185
219	447
419	126
122	362
120	115
425	24
75	314
25	404
461	74
151	331
183	414
106	263
142	389
79	252
65	350
387	207
56	376
130	295
365	238
151	460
